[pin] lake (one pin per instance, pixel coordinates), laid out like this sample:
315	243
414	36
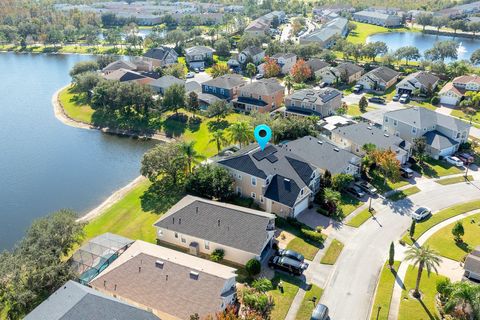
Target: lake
44	164
395	40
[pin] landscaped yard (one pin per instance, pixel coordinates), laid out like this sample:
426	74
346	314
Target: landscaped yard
444	242
383	185
307	306
460	114
402	194
333	252
436	168
283	300
74	107
348	204
383	295
354	110
424	309
309	250
454	180
440	216
360	218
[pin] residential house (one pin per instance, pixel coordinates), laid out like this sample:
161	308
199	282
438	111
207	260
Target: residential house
472	265
169	283
453	92
379	79
319	102
277	180
257	28
443	134
353	137
285	60
203	226
124	75
161	84
326	36
325	155
198	56
74	301
345	72
160	57
378	18
119	64
317	66
262	96
251	54
419	82
224	87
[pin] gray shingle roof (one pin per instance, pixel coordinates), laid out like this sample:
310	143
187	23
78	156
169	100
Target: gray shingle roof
123	75
472	262
324	155
317	96
384	73
252	50
227	81
218	222
349	68
159	53
427	79
283	55
166	81
438	141
265	87
74	301
198	50
317	64
120	64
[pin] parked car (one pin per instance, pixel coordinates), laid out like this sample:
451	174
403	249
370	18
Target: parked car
356	191
190	75
421	213
323	84
358	88
196	70
377	100
454	160
466	158
291	254
287	264
367	187
396	97
404	98
259	76
406	172
320	312
201	69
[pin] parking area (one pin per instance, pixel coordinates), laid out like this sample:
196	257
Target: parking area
200	77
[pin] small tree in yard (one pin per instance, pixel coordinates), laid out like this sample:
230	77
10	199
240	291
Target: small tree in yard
250	70
391	257
331	200
419	149
212	182
271	68
262	284
174	97
341	181
301	71
363	104
193	105
424	258
253	267
458	231
217	255
220	69
412	229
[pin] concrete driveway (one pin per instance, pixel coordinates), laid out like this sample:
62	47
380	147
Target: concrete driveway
200	77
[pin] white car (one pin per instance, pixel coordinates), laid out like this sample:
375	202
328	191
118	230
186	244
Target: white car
404	98
190	75
454	160
421	213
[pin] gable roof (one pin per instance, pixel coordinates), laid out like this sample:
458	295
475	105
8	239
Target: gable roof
449	87
322	154
438	140
317	64
237	227
383	73
265	87
166	81
252	50
120	64
74	301
227	81
324	35
159	53
258	25
317	96
426	79
284	55
349	68
467	78
170	281
123	75
198	50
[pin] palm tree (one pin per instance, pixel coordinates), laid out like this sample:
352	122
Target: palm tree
423	257
219	138
464	294
288	81
191	155
250	69
331	198
240	132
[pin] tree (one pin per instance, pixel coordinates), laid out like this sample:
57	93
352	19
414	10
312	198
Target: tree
83	66
190	154
300	71
442	50
458	24
420	149
193	104
212	182
343	109
439	22
341	181
475	57
391	255
458	68
408	53
328	56
220	69
271	68
176	70
412	228
374	49
219	109
331	200
460	298
424	19
174	97
288	82
219	138
86	81
240	132
387	162
164	162
458	231
262	284
253	267
222	47
424	258
363	104
176	37
250	70
474	27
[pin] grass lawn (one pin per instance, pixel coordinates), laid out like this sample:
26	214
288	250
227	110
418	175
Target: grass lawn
360	218
453	180
423	104
354	110
383	295
440	216
332	253
436	168
445	244
309	250
307	306
74	107
460	114
399	195
348	204
383	185
363	30
424	309
283	300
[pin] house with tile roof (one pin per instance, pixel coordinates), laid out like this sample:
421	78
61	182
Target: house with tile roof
169	283
203	226
422	82
262	96
321	102
74	301
472	265
345	72
277	180
379	79
443	133
160	57
224	87
453	92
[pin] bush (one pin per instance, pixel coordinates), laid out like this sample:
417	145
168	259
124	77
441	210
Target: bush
217	255
312	235
253	267
318	229
435	100
262	285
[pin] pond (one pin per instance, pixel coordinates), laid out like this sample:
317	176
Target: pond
423	42
44	164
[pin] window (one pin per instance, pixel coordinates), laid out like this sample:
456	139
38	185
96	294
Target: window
176	235
239	191
160	233
207	245
301	192
458	135
183	239
395	123
254	181
261	199
254	195
414	130
239	176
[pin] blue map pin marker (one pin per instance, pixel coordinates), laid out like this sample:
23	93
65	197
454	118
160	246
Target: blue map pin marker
262	134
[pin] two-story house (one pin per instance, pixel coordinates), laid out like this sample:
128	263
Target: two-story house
258	28
379	79
224	87
422	82
378	18
251	54
262	96
453	92
317	66
160	57
198	56
345	72
205	225
326	36
276	179
119	64
322	102
443	134
285	60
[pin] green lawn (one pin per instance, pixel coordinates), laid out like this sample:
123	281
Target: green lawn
309	250
402	194
424	309
460	114
348	204
383	185
454	180
333	252
383	295
283	300
307	306
354	110
360	218
423	104
445	244
436	168
440	216
74	107
363	30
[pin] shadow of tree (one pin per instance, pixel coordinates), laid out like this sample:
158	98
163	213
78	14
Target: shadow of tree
397	279
194	124
175	125
159	197
430	315
463	246
217	125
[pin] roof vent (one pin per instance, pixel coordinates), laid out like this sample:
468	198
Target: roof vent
194	275
196	209
159	264
218	222
320	142
369	128
386	135
336	149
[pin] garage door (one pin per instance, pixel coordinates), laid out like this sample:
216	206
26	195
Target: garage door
300	207
448	100
447	151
